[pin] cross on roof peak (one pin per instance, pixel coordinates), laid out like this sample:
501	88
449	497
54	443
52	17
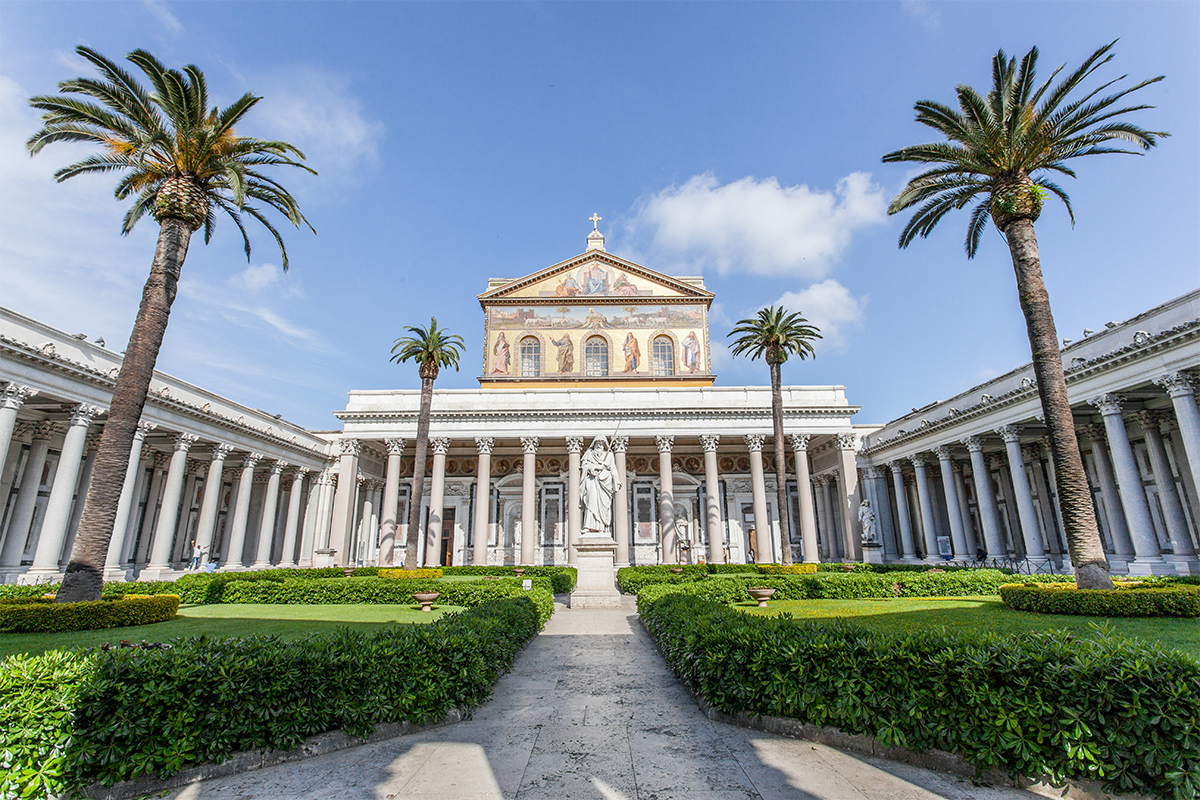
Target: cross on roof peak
595	218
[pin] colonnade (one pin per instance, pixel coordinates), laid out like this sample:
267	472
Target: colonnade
154	525
963	524
840	494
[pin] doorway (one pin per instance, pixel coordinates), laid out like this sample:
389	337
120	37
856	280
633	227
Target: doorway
447	555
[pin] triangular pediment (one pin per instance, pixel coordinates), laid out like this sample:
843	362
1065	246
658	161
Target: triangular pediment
595	276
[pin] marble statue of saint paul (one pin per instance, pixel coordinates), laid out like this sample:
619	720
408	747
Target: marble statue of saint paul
598	482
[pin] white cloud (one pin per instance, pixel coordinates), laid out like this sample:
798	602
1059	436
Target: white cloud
924	11
160	12
256	277
754	226
829	306
316	111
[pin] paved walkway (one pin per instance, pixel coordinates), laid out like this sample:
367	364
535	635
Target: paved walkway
590	710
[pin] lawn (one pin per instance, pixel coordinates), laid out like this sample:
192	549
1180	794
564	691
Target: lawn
982	614
231	619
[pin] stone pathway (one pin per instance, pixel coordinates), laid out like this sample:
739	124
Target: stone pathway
590	710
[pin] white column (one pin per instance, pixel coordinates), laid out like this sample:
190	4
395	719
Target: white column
1168	493
958	535
266	527
312	519
1181	386
11	400
574	512
116	544
341	530
907	544
988	512
804	498
210	505
145	535
621	508
964	510
667	545
288	557
1031	531
1122	543
483	499
928	521
62	492
824	540
849	494
758	494
241	513
712	498
164	530
529	525
1045	505
878	492
391	502
364	545
1147	555
26	502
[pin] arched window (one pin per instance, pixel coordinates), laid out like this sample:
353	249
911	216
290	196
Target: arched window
595	358
662	356
531	357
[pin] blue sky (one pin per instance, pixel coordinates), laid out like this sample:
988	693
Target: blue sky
462	141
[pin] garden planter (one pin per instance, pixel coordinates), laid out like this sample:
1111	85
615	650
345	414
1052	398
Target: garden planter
519	571
426	599
676	570
761	593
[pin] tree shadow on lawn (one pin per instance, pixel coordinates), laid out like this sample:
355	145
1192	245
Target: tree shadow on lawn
183	625
984	615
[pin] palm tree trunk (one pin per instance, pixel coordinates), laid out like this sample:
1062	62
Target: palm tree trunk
85	569
785	543
415	534
1074	496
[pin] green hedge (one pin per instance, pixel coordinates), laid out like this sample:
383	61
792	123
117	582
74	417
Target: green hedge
1161	600
880	569
72	719
1037	704
726	569
563	578
43	615
632	579
834	586
424	573
787	569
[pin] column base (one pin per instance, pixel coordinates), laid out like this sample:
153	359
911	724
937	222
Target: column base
1184	565
116	574
40	575
157	572
261	565
1150	566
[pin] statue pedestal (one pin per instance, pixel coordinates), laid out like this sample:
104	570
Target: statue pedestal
596	585
872	554
323	558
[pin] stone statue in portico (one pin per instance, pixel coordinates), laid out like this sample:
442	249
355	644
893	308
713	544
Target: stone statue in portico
598	483
866	518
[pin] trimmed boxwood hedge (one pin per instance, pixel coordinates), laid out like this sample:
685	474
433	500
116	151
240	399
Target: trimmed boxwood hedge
834	586
563	578
43	615
631	579
409	574
1037	704
71	719
787	569
1154	600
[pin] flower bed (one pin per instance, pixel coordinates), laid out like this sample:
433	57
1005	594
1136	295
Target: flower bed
72	718
43	615
1136	600
409	574
787	569
1038	704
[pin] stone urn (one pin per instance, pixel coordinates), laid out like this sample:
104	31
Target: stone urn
676	570
519	571
761	593
426	599
348	571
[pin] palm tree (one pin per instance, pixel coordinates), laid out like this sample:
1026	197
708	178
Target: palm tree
432	349
182	164
775	336
999	151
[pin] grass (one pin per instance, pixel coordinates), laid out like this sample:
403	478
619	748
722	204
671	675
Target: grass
982	614
232	619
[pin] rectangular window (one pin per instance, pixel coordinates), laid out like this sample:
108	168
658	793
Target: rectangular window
644	512
553	524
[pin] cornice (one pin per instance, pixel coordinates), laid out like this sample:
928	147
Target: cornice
548	416
692	294
46	359
1079	370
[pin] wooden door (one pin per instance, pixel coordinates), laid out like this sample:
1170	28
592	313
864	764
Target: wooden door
447	555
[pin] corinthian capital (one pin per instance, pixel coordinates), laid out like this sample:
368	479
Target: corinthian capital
529	444
15	395
974	444
754	442
847	440
278	467
664	443
395	447
143	429
800	440
709	441
917	459
1177	384
575	444
485	444
942	452
440	445
83	414
221	451
620	444
1009	433
351	447
251	459
184	442
1107	403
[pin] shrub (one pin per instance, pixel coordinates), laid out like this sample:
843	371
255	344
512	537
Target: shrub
25	590
1037	704
632	579
563	578
43	615
105	716
382	590
787	569
409	574
726	569
1154	600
